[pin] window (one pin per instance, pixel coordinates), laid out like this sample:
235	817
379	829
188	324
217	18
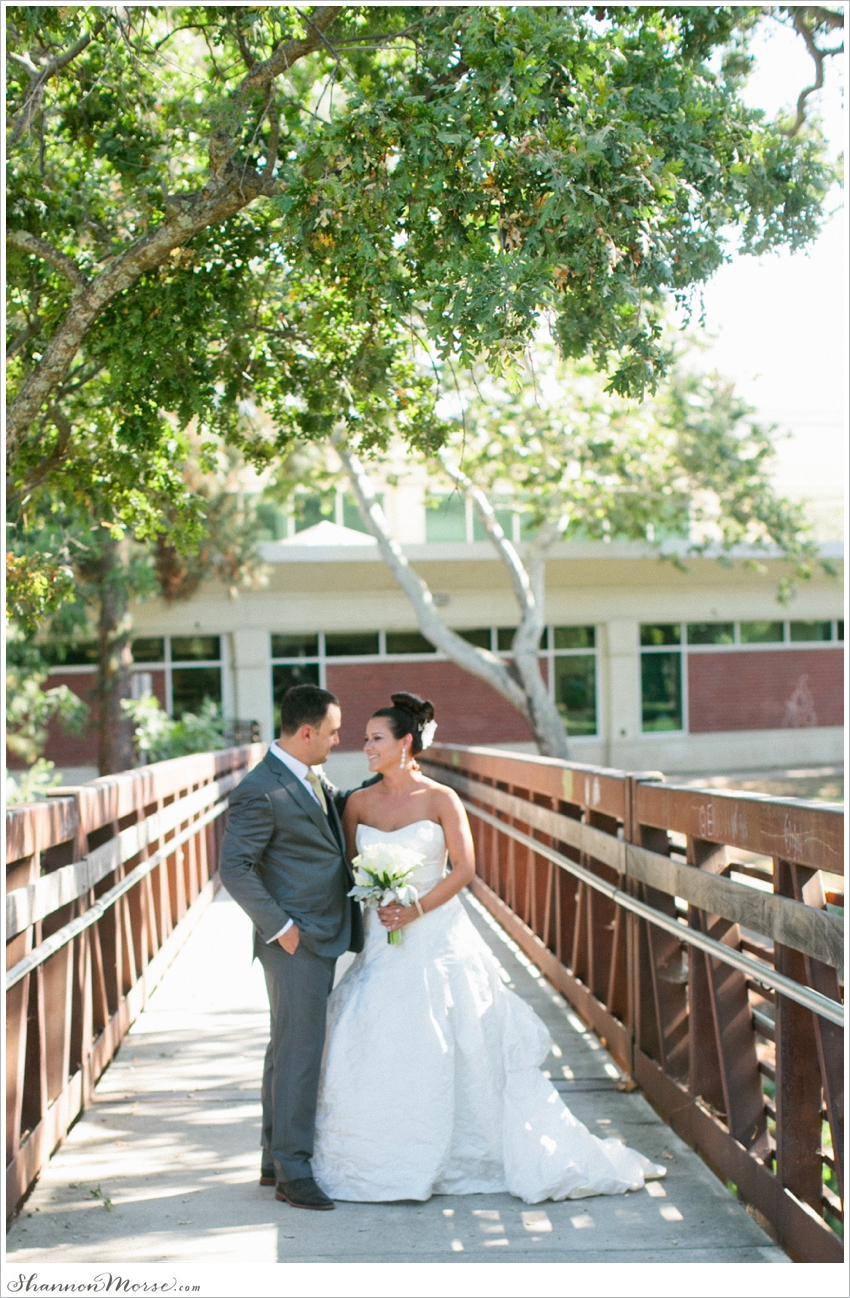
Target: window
663	633
190	667
661	677
574	678
351	516
310	510
664	673
274	521
445	520
572	673
150	649
82	653
196	648
761	633
711	633
570	654
408	642
661	691
574	637
452	518
811	630
295	646
298	670
480	638
191	686
340	644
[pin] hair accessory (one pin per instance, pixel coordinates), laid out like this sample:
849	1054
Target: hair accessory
428	734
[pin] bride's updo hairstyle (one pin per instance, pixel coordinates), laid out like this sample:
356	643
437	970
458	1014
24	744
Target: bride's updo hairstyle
408	716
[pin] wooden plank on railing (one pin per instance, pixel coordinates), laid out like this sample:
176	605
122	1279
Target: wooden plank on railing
813	932
596	787
24	906
35	826
94	962
802	832
698	1053
38	1145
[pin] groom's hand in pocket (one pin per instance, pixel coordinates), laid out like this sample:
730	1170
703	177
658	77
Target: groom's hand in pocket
290	939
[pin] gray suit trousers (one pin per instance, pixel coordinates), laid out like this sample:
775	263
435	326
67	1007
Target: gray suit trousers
298	987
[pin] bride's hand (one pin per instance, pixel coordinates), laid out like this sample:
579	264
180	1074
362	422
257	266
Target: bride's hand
395	916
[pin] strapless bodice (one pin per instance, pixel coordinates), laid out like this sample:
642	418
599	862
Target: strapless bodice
425	837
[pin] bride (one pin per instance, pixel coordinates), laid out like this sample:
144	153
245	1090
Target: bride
431	1079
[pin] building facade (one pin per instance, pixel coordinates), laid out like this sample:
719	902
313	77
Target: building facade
654	668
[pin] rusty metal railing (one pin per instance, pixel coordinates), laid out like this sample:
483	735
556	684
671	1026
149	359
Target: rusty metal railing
699	934
104	883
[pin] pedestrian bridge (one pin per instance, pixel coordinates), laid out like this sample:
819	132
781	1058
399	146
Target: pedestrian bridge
684	948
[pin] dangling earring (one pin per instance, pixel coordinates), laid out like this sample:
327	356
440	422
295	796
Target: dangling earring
403	761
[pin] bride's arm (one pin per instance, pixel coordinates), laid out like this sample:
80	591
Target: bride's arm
350	821
461	854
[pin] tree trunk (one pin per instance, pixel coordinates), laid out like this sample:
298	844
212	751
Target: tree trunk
114	657
480	662
529	588
528	694
549	729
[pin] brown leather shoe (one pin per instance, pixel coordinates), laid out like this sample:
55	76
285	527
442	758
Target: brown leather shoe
267	1176
303	1193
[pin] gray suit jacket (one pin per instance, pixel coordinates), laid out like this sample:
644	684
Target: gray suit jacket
282	858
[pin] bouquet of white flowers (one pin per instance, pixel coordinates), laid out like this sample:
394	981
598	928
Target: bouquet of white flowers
380	872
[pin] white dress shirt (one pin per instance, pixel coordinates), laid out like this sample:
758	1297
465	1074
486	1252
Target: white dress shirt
300	771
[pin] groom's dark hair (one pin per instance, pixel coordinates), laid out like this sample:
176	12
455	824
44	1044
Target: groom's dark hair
304	705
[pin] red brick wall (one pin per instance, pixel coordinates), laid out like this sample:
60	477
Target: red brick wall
765	689
78	750
467	710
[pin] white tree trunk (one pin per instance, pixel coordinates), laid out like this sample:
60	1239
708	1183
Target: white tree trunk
529	592
480	662
529	694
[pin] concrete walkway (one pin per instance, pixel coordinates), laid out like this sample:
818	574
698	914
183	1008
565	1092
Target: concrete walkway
164	1166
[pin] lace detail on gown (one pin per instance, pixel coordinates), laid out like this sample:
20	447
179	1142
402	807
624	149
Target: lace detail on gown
431	1079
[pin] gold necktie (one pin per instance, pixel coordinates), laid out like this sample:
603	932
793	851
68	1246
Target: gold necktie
315	783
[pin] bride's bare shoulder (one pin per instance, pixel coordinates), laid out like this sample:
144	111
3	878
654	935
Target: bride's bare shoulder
441	794
356	803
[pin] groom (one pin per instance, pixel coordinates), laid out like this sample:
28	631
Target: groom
283	860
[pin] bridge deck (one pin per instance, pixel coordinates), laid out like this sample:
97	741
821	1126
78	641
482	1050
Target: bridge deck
163	1167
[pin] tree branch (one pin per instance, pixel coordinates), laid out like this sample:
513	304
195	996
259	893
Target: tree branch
21	339
46	466
831	20
41	248
228	191
480	662
262	74
507	553
529	592
274	139
40	77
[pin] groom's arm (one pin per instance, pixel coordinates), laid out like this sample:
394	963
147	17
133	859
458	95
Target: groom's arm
341	798
250	825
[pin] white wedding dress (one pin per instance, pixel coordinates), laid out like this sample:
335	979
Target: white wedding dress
431	1079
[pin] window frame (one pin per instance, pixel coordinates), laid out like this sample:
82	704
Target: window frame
323	660
169	663
685	649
